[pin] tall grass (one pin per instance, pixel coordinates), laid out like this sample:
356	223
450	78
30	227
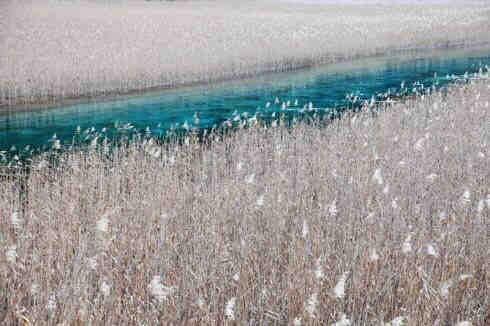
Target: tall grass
380	218
54	50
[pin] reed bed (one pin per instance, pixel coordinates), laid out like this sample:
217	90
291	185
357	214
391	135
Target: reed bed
57	50
379	218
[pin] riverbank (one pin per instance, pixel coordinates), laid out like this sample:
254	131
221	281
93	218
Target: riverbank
57	52
379	217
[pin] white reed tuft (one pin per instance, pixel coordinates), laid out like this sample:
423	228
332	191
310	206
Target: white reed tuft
56	144
419	145
394	203
378	177
93	143
102	224
250	178
16	220
332	209
431	250
11	254
230	309
431	177
397	321
373	255
92	263
305	230
464	277
481	206
260	201
319	274
407	245
464	323
105	288
339	289
200	302
386	190
35	289
444	288
158	290
466	197
343	321
311	305
51	304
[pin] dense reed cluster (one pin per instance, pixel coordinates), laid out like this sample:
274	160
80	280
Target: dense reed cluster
56	50
379	218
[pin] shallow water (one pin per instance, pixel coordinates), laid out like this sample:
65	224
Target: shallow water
203	107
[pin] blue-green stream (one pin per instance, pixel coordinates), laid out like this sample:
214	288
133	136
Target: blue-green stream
326	87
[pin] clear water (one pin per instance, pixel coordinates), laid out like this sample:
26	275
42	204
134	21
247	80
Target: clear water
325	87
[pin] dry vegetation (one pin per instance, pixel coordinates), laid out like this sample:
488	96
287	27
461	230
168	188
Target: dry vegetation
375	219
53	50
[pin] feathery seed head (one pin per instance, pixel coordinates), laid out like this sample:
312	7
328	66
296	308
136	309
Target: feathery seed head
311	305
102	224
260	201
397	321
464	277
332	209
444	288
431	250
343	321
230	309
52	304
419	145
407	245
11	254
250	178
466	197
339	289
305	230
464	323
319	274
35	288
158	290
105	288
373	255
92	263
431	177
16	220
378	177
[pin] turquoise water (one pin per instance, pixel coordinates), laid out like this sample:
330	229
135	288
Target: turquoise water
325	87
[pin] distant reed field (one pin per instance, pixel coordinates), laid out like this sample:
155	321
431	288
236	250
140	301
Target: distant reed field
55	50
379	218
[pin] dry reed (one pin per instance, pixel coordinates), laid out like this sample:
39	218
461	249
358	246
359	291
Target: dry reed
375	219
56	50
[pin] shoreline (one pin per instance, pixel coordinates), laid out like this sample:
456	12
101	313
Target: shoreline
60	54
407	53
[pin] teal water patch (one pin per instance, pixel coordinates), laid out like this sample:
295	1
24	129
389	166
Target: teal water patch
317	89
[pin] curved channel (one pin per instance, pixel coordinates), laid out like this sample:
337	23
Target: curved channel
203	107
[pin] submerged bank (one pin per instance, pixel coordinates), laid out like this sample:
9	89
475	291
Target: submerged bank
53	51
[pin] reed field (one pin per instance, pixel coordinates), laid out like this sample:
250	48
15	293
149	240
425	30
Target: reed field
378	218
53	50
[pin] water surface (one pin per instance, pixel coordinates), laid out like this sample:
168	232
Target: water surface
324	87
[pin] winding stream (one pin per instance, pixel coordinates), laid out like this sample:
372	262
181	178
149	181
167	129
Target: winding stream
202	107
